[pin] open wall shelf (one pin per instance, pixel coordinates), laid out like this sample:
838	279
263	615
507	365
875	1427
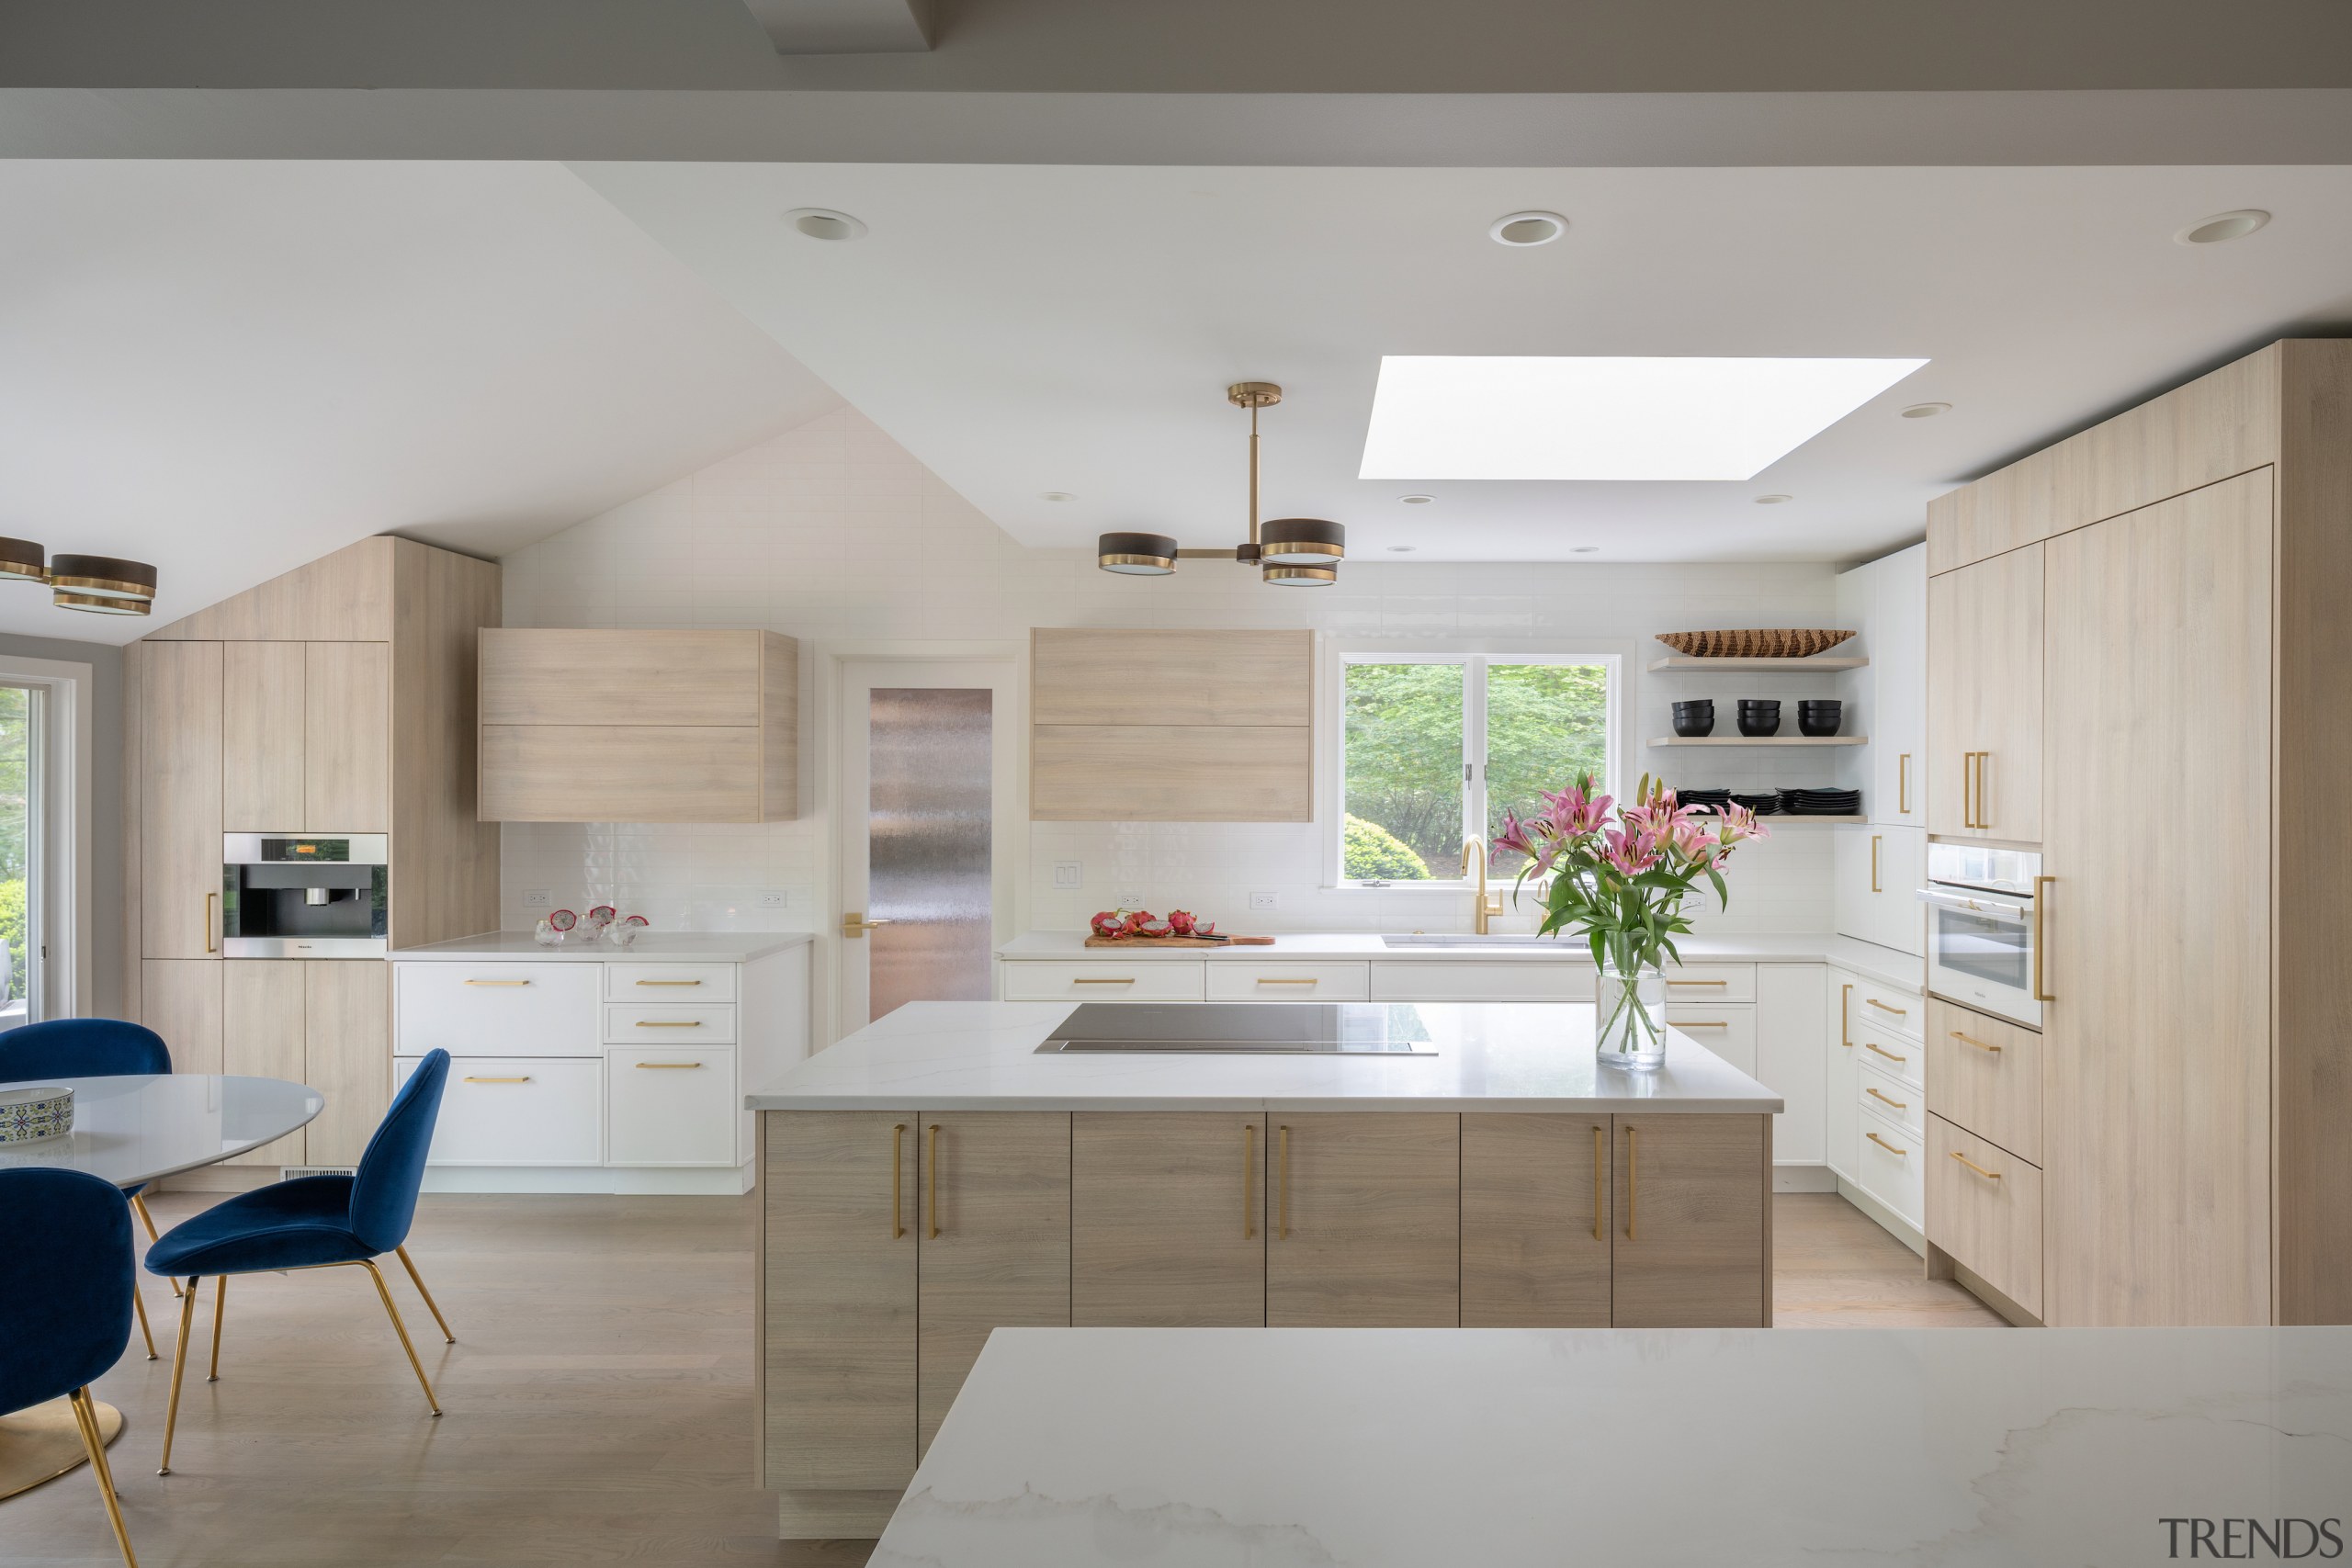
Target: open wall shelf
1765	666
1761	740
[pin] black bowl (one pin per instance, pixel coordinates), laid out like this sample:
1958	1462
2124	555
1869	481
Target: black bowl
1821	718
1760	716
1694	719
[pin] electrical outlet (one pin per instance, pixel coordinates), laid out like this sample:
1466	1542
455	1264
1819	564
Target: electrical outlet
538	898
771	899
1264	900
1130	898
1068	874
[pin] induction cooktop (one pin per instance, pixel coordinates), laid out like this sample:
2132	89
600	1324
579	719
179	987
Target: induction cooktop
1272	1028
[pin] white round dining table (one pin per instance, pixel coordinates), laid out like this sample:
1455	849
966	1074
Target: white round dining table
129	1130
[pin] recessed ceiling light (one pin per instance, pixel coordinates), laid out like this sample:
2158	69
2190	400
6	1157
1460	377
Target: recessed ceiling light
1509	417
1773	499
1582	549
2222	226
824	223
1926	410
1402	549
1524	229
1056	495
1416	500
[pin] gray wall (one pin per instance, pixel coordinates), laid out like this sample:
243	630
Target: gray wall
105	826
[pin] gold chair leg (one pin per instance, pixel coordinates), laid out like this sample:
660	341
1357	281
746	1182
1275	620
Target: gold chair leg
219	1314
401	1329
138	1207
179	1368
139	1306
429	1305
86	1415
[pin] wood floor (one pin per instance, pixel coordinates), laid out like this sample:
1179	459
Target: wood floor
599	1400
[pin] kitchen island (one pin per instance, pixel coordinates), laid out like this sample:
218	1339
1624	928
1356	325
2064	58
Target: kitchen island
937	1175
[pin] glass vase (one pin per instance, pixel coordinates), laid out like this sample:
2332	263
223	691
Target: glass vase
1629	1015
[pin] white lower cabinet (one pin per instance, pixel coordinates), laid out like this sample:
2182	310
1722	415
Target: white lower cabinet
1788	1058
671	1107
1095	980
1471	981
1728	1031
509	1111
1892	1161
1260	982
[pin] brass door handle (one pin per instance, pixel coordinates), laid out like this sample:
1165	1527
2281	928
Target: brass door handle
497	982
1984	812
1632	1181
1874	844
1964	1040
669	1066
931	1180
1898	1104
1248	1164
898	1142
1282	1190
669	1023
1599	1176
2040	882
1845	1009
856	924
1882	1142
1872	1045
669	982
210	899
523	1079
1968	789
1988	1175
1903	783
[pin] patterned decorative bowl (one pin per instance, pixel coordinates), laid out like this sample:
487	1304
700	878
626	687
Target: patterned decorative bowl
39	1112
1773	643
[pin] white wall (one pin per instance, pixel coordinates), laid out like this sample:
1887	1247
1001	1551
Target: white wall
833	533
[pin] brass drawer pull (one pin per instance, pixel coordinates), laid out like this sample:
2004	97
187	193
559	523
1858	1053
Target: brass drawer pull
1695	1024
1633	1180
669	1023
1249	1208
1898	1104
931	1180
1899	1012
1127	980
1871	1046
1698	982
669	1066
1890	1148
1964	1040
498	982
1599	1176
1272	980
1988	1175
898	1138
523	1079
1281	1204
669	982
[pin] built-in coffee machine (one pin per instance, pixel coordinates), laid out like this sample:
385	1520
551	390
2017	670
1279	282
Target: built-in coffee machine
303	895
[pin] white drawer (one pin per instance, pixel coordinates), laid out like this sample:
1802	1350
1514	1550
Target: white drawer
671	1107
509	1010
1710	983
669	982
1474	982
1890	1096
1897	1055
1891	1168
633	1026
1728	1031
1110	980
518	1111
1249	980
1889	1009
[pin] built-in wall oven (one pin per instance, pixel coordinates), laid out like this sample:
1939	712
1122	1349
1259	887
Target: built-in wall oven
303	895
1983	930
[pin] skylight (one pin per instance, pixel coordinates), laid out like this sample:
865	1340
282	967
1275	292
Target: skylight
1509	417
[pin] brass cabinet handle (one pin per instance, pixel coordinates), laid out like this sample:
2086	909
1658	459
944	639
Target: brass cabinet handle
1282	1202
1967	789
1984	812
498	982
1270	980
1964	1040
1903	783
1987	1175
931	1180
1249	1208
1890	1148
1844	1009
669	1064
1899	1012
2040	882
1698	982
669	1023
1600	1175
523	1079
1898	1104
1874	844
898	1141
210	899
1872	1045
1126	981
669	982
1695	1024
1632	1181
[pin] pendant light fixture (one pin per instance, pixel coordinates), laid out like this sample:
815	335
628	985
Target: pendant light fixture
102	585
21	560
1291	552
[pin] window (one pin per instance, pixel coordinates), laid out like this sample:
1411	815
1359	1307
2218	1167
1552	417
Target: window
20	845
1435	747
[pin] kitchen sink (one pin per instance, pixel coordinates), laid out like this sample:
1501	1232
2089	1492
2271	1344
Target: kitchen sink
1496	939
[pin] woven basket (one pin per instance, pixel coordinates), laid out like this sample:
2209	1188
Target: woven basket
1779	643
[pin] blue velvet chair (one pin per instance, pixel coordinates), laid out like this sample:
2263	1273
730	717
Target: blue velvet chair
65	1300
91	1048
314	1222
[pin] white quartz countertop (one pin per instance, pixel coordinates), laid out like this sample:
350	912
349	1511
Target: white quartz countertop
1490	1057
1305	1447
1884	964
654	947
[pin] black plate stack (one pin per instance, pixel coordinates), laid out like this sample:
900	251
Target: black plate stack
1821	802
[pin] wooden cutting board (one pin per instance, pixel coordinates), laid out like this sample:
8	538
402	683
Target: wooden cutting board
1180	942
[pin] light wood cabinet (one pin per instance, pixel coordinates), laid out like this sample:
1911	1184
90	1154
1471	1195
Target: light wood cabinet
180	999
261	724
347	737
1984	697
1366	1213
1985	1075
1168	1223
1529	1258
346	1053
1215	726
261	1036
640	726
1985	1209
179	802
995	1249
1693	1242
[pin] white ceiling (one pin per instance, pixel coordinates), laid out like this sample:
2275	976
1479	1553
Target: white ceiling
1073	329
230	368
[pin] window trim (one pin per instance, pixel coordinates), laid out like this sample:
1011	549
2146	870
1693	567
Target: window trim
1615	653
65	852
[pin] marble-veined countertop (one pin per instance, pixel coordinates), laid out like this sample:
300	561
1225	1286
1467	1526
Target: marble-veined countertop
1272	1448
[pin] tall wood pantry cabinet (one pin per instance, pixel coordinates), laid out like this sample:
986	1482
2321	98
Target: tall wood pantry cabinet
335	699
2138	662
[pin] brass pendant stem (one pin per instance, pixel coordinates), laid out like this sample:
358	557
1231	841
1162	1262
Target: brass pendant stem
1253	474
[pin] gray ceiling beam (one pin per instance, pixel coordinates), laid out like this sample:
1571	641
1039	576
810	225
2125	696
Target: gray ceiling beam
846	26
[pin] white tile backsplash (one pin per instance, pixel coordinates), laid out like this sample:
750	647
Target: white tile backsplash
832	532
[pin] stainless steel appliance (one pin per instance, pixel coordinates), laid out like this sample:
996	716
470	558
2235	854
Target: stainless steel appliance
303	895
1984	930
1281	1029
